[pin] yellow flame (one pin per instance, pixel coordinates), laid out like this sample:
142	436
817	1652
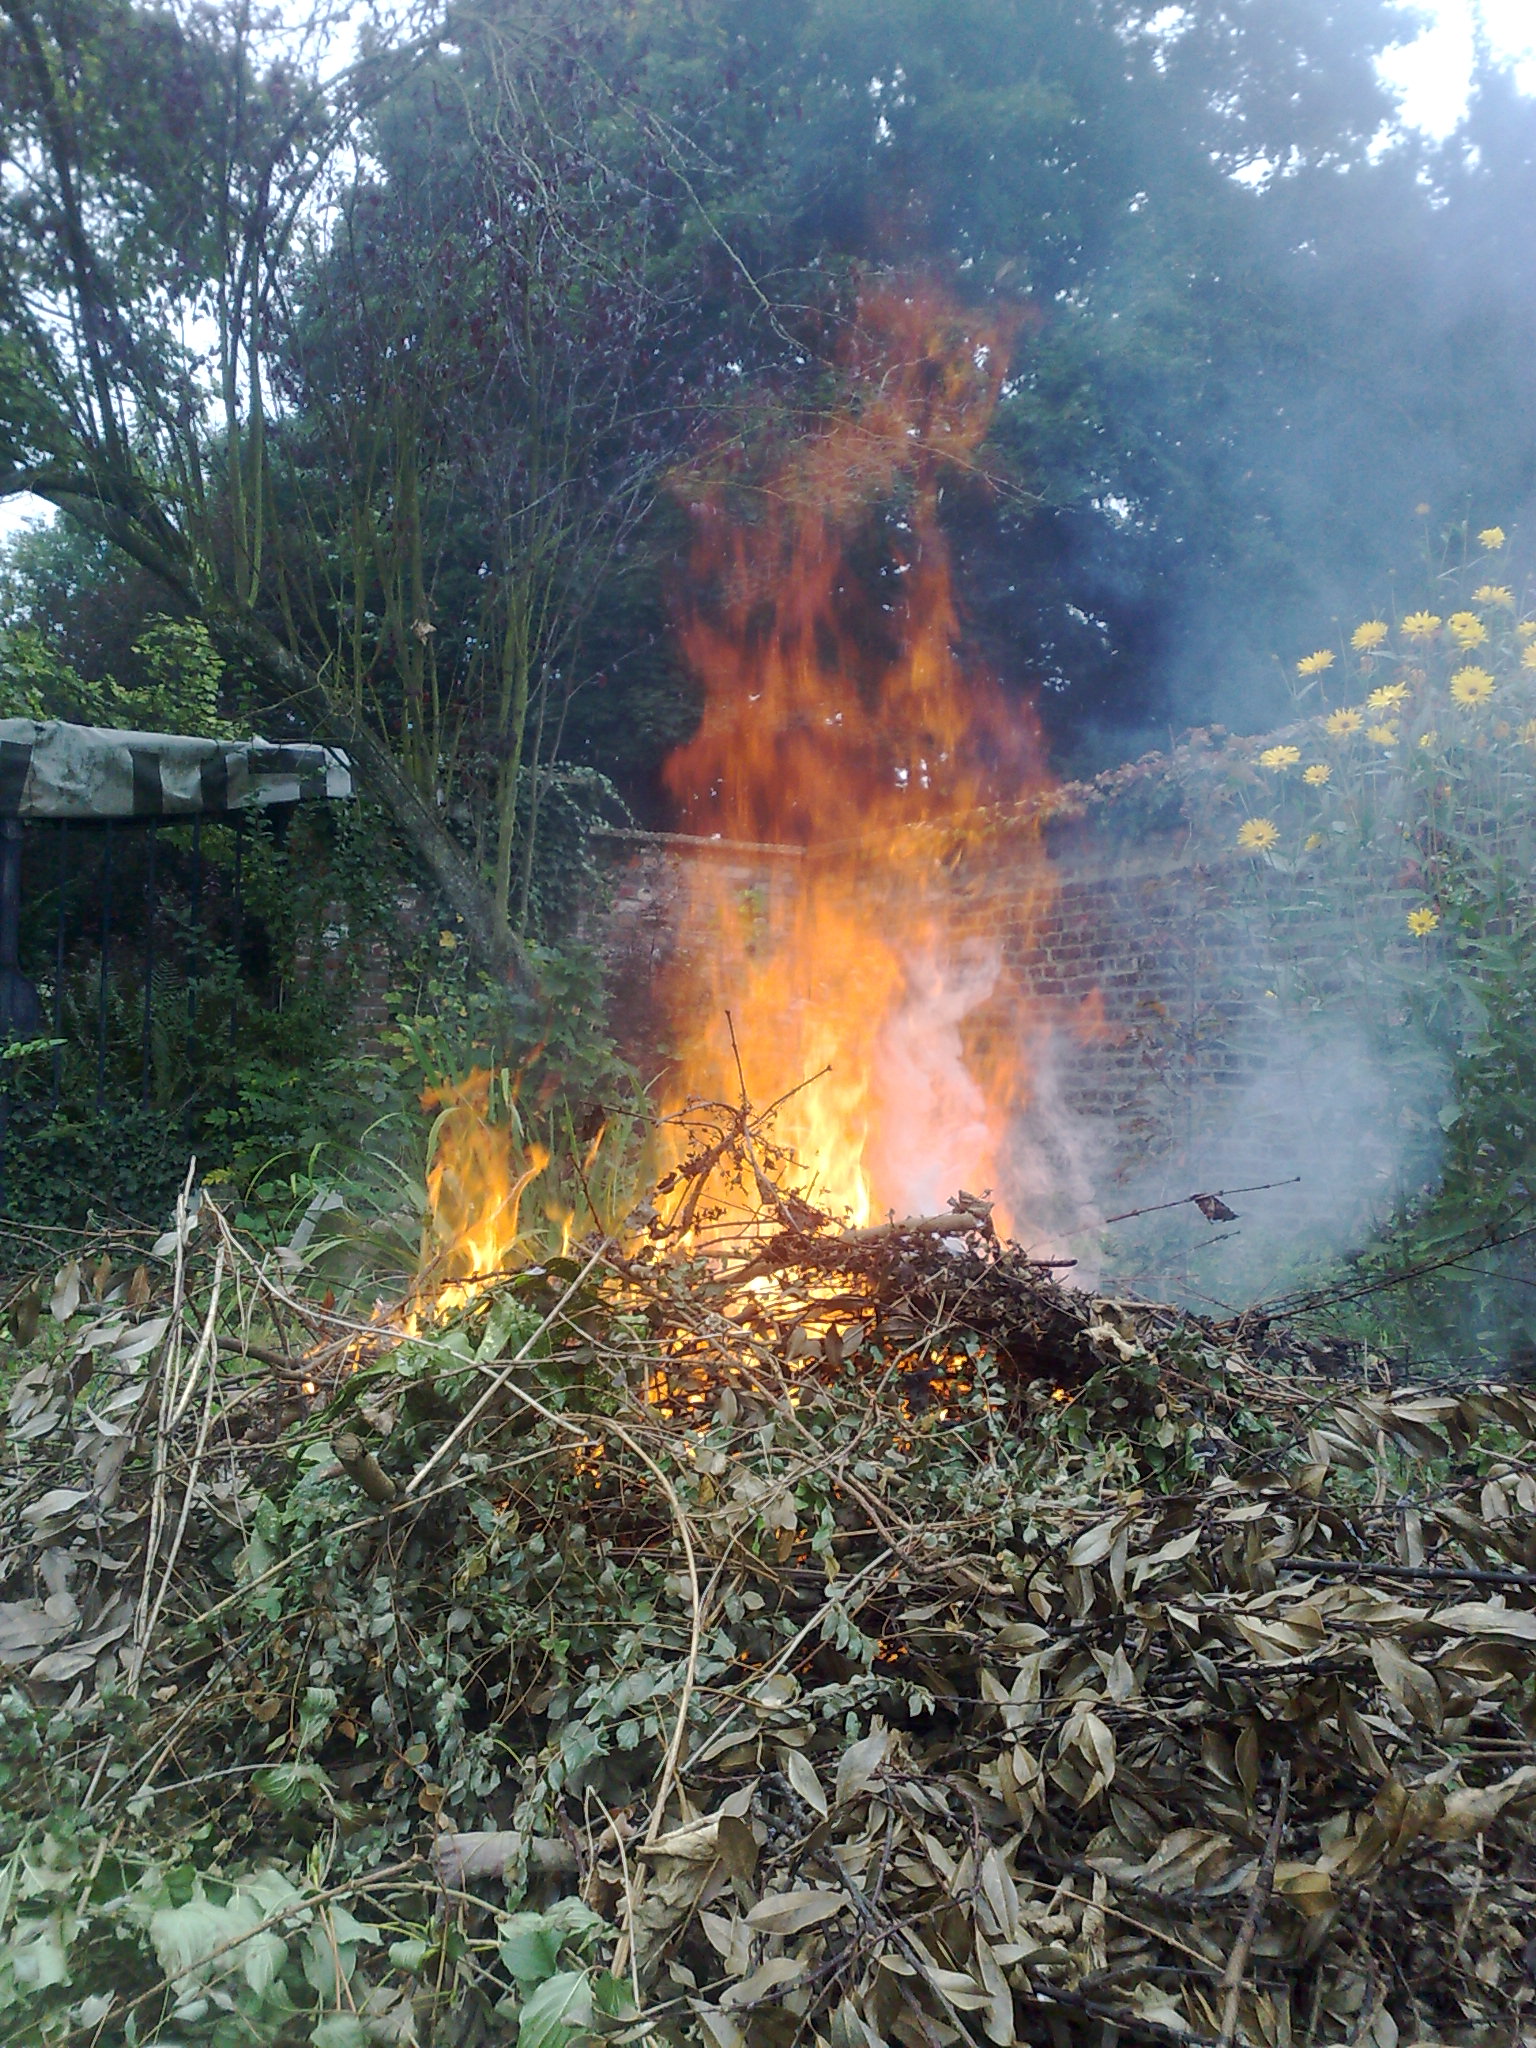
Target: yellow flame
476	1180
841	720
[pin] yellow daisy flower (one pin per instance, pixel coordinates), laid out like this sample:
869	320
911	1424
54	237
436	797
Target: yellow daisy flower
1526	628
1383	735
1466	629
1528	658
1341	723
1258	835
1471	685
1313	841
1422	922
1317	774
1368	636
1388	695
1428	739
1421	625
1314	664
1491	537
1279	757
1494	593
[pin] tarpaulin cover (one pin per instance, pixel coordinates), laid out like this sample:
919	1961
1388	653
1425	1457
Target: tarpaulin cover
52	770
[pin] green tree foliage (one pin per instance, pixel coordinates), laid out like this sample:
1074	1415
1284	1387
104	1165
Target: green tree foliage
474	300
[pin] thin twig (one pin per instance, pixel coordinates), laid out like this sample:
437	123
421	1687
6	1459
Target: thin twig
503	1379
1347	1567
1263	1882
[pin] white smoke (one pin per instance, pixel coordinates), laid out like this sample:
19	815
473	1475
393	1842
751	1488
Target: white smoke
1344	1128
935	1127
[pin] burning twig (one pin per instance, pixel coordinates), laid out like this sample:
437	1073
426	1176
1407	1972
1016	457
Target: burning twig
967	1215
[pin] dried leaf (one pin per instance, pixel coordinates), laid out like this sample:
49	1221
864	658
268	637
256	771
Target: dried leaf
801	1773
792	1912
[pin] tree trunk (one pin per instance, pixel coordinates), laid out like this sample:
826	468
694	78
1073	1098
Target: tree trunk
412	810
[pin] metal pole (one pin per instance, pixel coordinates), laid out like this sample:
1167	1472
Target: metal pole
239	934
149	968
10	969
101	983
197	912
10	893
58	964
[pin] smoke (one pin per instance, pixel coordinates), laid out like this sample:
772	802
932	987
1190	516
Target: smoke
1345	1128
1057	1159
935	1127
1325	1136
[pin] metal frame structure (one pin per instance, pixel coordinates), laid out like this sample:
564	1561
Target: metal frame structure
66	777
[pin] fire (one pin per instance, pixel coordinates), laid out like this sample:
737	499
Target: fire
475	1186
842	724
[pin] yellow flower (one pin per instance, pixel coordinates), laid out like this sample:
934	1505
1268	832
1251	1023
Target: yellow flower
1528	658
1491	537
1494	593
1370	635
1526	628
1383	735
447	940
1388	695
1314	664
1339	723
1279	757
1467	629
1420	625
1317	774
1313	842
1258	835
1471	685
1428	739
1422	922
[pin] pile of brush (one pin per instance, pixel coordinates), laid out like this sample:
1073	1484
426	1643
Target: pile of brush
752	1632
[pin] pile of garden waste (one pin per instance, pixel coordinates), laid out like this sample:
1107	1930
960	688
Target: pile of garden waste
749	1630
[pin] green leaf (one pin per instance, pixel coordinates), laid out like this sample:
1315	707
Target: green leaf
316	1715
558	2013
292	1786
339	2030
529	1947
36	1953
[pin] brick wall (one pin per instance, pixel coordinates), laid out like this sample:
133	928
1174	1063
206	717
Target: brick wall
1151	993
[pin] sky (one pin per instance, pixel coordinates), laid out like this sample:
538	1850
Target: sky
1432	75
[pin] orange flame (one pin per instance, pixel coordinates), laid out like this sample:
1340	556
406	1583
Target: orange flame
475	1186
842	723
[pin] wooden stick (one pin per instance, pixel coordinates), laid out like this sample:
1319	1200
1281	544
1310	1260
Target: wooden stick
1353	1567
281	1362
364	1469
959	1221
1264	1878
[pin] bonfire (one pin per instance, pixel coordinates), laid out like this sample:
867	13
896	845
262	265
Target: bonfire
755	1628
802	1610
